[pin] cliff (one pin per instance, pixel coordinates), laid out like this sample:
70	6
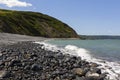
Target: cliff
34	24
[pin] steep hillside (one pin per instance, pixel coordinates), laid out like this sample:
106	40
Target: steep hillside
34	24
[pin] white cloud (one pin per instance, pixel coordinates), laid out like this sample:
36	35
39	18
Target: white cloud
15	3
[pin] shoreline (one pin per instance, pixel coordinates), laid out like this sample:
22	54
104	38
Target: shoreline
13	42
8	38
28	60
110	68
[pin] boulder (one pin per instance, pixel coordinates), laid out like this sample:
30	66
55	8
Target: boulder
79	71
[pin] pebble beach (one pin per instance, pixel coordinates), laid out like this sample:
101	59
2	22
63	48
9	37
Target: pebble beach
22	59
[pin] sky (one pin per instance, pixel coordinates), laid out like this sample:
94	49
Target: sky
86	17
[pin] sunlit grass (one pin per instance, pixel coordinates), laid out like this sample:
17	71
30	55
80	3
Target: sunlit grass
34	24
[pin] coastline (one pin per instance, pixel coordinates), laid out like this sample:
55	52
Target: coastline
28	60
76	48
23	59
8	38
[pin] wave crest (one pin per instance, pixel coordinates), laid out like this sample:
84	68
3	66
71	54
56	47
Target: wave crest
74	50
112	68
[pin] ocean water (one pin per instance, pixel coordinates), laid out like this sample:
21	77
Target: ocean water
104	49
103	52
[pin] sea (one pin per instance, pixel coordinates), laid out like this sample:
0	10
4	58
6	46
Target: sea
105	52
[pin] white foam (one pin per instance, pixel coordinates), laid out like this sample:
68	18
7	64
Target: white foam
112	68
74	50
48	46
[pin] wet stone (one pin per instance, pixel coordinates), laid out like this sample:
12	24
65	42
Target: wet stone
36	67
30	61
94	65
96	70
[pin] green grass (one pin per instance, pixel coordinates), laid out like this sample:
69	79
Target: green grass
34	24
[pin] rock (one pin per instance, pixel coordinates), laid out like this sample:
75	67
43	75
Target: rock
49	56
102	76
67	59
2	63
4	74
94	65
34	55
57	72
15	63
96	70
57	78
80	78
27	67
71	76
86	69
68	76
36	67
28	61
90	78
75	65
90	74
74	58
79	71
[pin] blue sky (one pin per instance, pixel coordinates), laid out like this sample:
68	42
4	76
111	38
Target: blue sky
87	17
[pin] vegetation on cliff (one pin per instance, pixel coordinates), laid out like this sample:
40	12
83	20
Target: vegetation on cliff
34	24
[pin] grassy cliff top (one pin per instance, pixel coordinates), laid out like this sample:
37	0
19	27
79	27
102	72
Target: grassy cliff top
34	24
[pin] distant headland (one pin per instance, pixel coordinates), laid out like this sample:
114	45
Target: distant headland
34	24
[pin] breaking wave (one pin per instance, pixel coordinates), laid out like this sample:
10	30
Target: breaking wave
111	68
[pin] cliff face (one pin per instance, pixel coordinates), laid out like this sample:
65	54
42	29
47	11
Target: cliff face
34	24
